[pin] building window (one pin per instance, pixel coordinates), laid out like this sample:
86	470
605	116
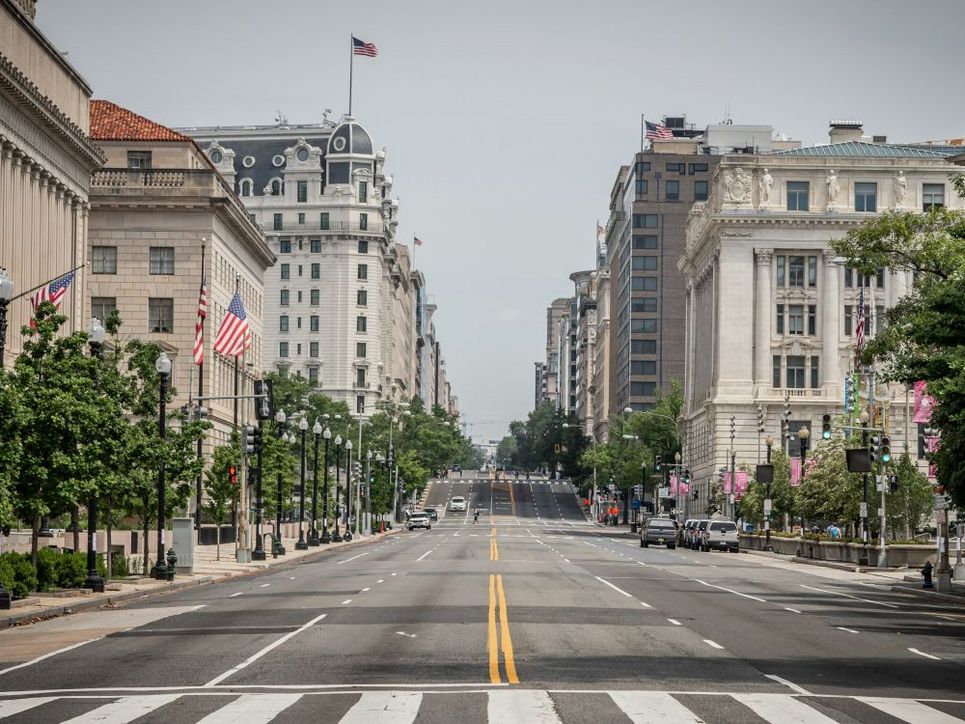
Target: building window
315	245
780	319
162	260
360	377
812	271
678	167
313	323
815	376
276	223
314	296
646	263
797	195
323	221
283	299
276	188
647	304
812	319
139	159
848	320
360	349
643	166
283	323
283	349
643	389
286	272
643	284
645	221
160	313
361	297
360	404
363	192
780	271
795	372
313	375
795	319
363	246
932	196
103	260
700	191
693	168
645	242
102	307
643	326
673	190
253	218
866	197
642	186
298	322
776	378
301	218
643	346
284	246
299	270
316	271
299	296
795	271
363	271
302	191
313	349
246	186
643	367
363	222
360	324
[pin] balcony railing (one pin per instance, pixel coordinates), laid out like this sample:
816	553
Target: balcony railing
293	227
178	181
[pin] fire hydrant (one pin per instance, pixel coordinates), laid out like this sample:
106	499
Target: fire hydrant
172	559
926	575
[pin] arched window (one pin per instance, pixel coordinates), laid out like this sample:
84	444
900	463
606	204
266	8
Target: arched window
276	187
246	186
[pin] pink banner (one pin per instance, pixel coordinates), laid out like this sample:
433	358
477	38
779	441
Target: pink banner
932	471
741	485
932	443
923	403
684	488
795	471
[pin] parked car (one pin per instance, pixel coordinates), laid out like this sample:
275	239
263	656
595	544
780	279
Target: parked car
686	536
458	503
697	534
432	513
419	519
659	531
721	535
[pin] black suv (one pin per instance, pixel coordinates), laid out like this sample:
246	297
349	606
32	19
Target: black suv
659	531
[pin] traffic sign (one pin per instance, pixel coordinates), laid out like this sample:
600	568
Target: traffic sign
864	510
664	492
767	506
635	504
940	502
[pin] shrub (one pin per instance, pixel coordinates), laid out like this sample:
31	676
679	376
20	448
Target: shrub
120	566
48	567
17	574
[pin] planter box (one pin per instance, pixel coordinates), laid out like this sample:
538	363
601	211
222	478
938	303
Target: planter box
912	556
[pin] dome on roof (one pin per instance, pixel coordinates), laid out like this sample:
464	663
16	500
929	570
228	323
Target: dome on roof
350	137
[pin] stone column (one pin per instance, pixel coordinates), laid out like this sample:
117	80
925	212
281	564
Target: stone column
762	325
831	312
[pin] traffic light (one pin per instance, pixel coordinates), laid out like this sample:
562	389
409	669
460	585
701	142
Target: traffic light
259	442
886	449
686	477
233	474
826	426
893	483
875	451
657	463
249	440
848	394
760	419
265	402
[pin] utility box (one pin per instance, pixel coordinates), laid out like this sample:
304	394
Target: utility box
184	545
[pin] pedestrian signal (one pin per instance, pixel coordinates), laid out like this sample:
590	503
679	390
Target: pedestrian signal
233	474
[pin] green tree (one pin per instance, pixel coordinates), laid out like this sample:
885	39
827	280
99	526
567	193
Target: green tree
221	492
908	507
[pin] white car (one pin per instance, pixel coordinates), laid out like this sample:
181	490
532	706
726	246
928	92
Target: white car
721	535
459	504
419	519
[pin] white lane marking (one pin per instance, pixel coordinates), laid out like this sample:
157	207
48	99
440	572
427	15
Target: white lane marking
782	708
922	653
354	557
16	706
649	706
675	622
407	635
729	590
792	610
270	647
292	578
252	709
713	644
424	555
532	707
234	595
384	706
848	595
566	560
125	709
845	628
395	574
908	710
366	589
264	585
381	580
645	605
789	684
346	602
47	656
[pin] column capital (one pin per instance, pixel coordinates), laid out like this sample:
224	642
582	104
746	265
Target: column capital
763	256
828	256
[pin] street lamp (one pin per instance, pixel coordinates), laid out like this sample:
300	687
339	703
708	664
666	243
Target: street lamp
163	366
803	435
326	538
368	493
348	491
95	337
676	459
313	533
336	536
6	292
302	544
278	549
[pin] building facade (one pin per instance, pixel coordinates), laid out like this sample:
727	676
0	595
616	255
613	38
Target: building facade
549	372
46	160
157	207
770	316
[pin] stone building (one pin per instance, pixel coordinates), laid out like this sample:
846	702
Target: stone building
46	159
769	314
153	206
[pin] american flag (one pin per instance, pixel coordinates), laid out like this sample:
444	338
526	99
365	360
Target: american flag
360	47
234	334
417	241
53	292
657	131
199	327
859	328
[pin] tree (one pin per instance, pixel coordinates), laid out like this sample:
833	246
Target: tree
923	339
220	490
911	503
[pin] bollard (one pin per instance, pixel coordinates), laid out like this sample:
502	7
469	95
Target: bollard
926	575
172	559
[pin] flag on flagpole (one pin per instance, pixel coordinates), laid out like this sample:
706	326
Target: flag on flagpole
360	47
657	131
234	334
53	292
417	241
199	326
859	326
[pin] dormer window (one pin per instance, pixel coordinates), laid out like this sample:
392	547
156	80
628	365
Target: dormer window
247	185
217	156
276	187
363	192
302	154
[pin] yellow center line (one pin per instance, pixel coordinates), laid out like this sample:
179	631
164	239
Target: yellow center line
511	676
493	550
493	646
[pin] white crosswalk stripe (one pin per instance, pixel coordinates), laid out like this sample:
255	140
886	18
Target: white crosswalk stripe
503	706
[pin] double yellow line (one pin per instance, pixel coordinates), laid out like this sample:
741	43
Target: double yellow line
496	593
493	548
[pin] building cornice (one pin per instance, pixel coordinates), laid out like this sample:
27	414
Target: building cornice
53	53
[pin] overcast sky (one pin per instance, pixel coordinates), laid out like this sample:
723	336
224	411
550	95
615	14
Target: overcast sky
506	120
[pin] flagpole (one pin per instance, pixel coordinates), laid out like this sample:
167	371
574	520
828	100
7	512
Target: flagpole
235	420
414	245
643	131
39	286
351	66
197	512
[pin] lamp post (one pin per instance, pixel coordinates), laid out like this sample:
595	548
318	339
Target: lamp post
302	544
676	459
278	549
368	493
803	435
313	532
6	292
326	538
258	554
95	335
163	366
769	442
348	491
863	557
336	536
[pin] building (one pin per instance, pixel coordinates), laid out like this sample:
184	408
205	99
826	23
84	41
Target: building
157	207
600	388
46	160
584	348
770	316
549	383
342	285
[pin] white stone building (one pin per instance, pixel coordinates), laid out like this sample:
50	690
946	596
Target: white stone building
769	312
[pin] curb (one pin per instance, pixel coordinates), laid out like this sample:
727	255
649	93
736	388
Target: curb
921	593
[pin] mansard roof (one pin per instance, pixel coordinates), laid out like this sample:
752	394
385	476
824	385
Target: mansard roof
111	122
860	149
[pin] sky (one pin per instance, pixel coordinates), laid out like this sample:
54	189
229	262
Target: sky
506	121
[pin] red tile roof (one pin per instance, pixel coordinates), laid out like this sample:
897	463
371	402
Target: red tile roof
110	122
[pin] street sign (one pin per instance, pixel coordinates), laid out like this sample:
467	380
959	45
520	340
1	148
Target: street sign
881	512
940	502
664	492
767	506
611	487
864	510
635	504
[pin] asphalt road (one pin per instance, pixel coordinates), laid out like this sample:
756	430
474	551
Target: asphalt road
530	615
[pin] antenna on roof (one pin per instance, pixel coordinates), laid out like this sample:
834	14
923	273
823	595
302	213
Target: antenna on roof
280	118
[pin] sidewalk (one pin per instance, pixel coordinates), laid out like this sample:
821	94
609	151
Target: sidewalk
207	569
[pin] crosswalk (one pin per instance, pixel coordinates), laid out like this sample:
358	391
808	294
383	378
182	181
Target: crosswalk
502	706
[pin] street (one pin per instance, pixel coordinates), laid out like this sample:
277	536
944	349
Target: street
532	614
